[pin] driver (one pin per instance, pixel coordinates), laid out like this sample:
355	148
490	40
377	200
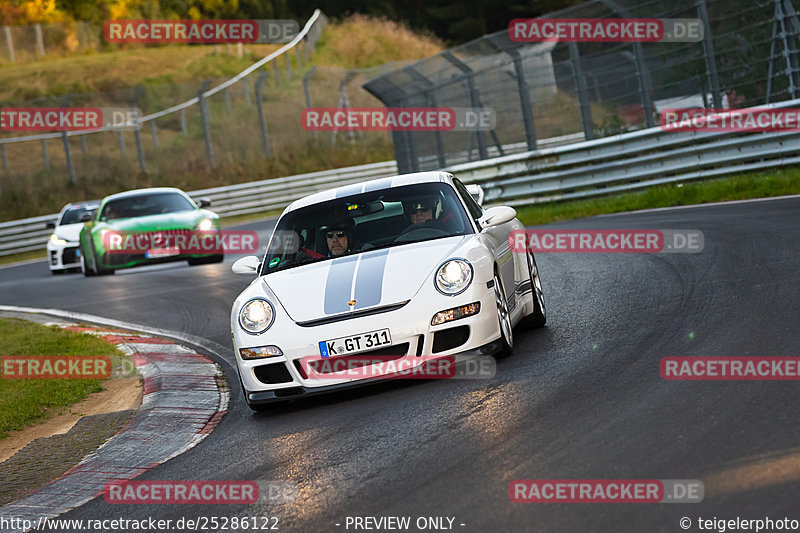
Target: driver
419	211
339	238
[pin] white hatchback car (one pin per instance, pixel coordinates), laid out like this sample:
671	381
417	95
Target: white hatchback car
63	252
409	267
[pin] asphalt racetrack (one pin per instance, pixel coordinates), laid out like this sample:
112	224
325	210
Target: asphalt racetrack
581	398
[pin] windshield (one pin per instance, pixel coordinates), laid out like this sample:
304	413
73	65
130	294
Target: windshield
73	215
142	205
366	221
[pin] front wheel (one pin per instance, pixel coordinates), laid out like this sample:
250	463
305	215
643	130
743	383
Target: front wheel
504	319
538	317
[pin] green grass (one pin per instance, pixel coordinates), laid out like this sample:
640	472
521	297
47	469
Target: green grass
765	184
26	401
24	256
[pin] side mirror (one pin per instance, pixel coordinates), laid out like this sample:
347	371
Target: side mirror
86	217
204	202
497	216
50	224
246	265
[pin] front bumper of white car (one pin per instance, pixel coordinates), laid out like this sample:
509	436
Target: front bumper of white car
414	340
63	256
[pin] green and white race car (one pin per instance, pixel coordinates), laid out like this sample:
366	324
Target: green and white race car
155	214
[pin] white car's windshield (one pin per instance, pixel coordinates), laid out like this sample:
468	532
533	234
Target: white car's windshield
366	221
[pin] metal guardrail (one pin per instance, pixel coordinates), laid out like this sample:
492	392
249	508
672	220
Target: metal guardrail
30	234
254	197
628	162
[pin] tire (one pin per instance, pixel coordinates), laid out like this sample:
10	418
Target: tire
86	271
96	271
538	318
503	319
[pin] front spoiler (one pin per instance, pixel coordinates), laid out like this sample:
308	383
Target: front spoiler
291	393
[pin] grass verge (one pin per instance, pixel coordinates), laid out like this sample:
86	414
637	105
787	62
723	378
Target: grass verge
777	182
26	401
24	256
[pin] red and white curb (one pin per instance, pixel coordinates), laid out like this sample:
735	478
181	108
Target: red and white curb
181	405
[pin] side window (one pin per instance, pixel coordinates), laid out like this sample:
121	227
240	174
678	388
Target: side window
475	210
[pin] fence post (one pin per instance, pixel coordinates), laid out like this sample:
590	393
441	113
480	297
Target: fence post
121	143
277	72
469	74
68	156
137	129
204	115
39	40
9	44
227	95
45	155
583	93
5	157
708	50
183	123
641	67
522	88
155	134
288	65
84	148
306	79
432	102
246	91
297	53
261	122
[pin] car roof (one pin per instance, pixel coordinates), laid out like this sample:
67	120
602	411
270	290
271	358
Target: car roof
88	204
137	192
371	185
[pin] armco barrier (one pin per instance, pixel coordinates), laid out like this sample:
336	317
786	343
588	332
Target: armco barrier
627	162
31	234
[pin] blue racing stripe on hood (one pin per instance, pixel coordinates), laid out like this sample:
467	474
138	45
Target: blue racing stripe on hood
369	283
338	285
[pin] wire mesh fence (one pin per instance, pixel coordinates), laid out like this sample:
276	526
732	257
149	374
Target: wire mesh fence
747	57
196	134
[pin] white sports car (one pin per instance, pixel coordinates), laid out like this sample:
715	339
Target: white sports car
409	267
63	247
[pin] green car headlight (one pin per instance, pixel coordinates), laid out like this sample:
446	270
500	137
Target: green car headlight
205	225
256	316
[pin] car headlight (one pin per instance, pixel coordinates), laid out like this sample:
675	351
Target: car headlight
55	240
205	225
453	277
256	316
